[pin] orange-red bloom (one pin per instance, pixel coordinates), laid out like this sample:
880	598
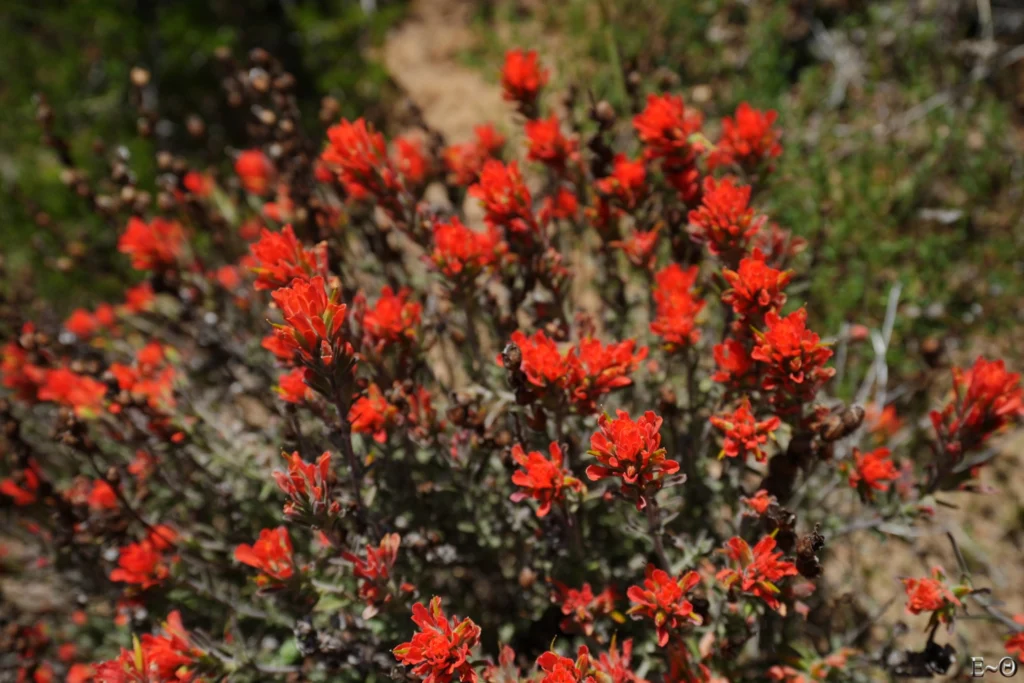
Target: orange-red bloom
872	471
548	145
792	357
522	77
986	398
666	127
627	185
931	595
393	319
744	435
748	140
292	386
542	479
271	554
439	653
23	488
758	571
461	253
80	392
465	161
375	570
582	607
631	450
735	366
640	248
755	288
616	665
358	154
255	171
602	368
506	199
760	501
313	322
279	257
306	484
558	669
372	414
725	221
151	378
1015	643
662	598
153	245
676	306
410	161
145	563
154	659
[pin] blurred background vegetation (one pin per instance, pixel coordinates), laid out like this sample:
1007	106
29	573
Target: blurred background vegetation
902	120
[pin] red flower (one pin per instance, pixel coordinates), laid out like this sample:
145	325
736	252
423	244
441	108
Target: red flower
676	307
734	364
616	666
18	373
756	287
562	206
292	386
307	485
725	221
748	140
627	185
23	488
279	257
558	669
793	357
541	479
461	253
84	394
393	319
543	364
931	595
375	570
372	414
154	658
313	322
1015	643
522	77
440	651
465	161
665	127
153	245
758	571
986	398
410	161
150	378
144	563
547	144
631	450
255	171
662	598
358	154
102	496
582	608
640	247
760	502
506	199
271	554
199	184
139	298
744	435
601	369
872	471
81	323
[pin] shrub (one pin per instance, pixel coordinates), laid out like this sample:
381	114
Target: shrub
586	437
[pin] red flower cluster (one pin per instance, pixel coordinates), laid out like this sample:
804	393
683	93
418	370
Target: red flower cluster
312	332
615	665
759	570
522	77
393	319
582	607
292	386
307	485
80	392
271	554
627	185
662	598
279	258
154	658
558	669
548	145
631	450
792	357
85	325
744	435
411	162
735	366
151	378
541	479
358	155
144	564
1015	643
372	414
375	570
440	651
506	199
255	171
725	221
872	471
461	254
640	248
755	288
465	161
986	398
676	307
153	245
22	489
760	501
665	127
748	140
932	595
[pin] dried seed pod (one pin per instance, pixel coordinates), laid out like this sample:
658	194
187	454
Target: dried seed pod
807	562
839	425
